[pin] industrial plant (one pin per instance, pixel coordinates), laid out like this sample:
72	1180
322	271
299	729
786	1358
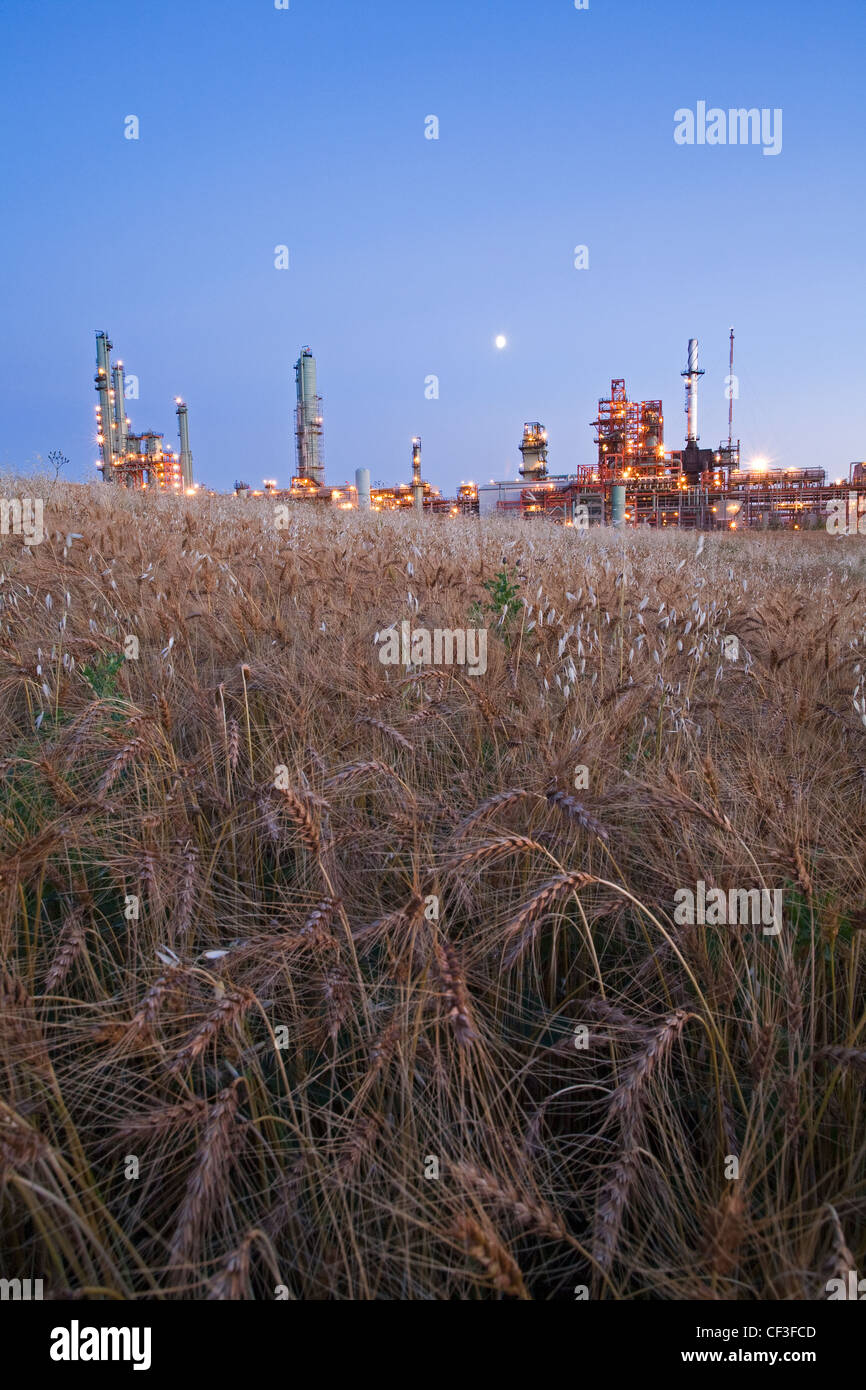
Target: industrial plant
634	479
308	481
135	460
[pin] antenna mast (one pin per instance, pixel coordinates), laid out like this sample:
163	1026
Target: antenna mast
731	397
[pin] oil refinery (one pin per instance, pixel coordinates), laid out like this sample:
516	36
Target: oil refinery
135	460
634	478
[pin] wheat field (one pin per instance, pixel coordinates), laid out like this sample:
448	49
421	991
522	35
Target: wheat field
327	979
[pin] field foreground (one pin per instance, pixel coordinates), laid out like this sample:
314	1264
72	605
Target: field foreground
323	978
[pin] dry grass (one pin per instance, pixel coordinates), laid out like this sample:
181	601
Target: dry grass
251	1082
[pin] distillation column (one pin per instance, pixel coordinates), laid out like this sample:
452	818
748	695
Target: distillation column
185	454
417	485
107	426
308	420
119	379
533	449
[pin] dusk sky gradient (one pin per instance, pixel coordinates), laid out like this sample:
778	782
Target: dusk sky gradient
408	256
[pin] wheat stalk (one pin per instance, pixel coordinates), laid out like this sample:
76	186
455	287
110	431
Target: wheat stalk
484	1245
521	929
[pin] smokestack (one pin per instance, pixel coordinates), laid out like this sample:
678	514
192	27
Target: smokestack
362	484
693	389
185	454
308	420
692	375
108	427
417	485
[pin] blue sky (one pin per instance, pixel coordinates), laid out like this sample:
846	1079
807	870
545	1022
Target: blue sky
305	127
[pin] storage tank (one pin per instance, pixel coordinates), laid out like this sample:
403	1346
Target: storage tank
362	483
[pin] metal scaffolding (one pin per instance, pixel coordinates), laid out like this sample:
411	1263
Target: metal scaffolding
629	435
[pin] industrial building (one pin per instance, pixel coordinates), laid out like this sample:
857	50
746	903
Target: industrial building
135	460
558	496
308	481
634	480
629	436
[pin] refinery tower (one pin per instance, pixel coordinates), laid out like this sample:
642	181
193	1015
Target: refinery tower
308	422
135	460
